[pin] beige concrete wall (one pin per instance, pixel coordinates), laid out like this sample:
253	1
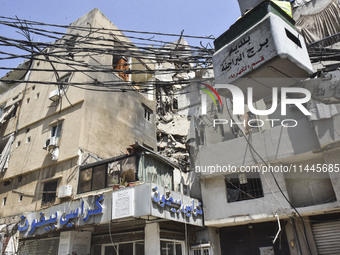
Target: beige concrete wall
113	123
30	156
103	123
31	187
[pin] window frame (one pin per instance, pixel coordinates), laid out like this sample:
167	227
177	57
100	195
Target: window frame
246	190
106	178
65	80
148	113
102	246
174	242
56	130
44	192
202	248
120	63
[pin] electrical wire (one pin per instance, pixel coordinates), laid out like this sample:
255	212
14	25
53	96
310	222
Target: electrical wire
279	187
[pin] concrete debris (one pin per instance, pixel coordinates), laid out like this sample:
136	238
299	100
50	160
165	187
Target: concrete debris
177	103
178	126
167	117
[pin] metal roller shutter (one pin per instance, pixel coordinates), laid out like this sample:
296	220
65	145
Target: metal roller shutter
39	247
327	237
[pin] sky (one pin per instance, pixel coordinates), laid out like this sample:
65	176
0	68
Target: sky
196	17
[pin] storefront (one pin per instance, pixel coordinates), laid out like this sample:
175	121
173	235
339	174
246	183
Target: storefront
143	219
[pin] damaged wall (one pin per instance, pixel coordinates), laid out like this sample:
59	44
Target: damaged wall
173	127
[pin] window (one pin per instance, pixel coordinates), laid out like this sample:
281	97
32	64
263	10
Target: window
28	139
147	113
175	104
64	82
94	178
33	87
172	248
27	130
56	130
13	111
28	100
120	63
204	251
243	186
104	175
49	192
18	143
4	200
37	95
21	196
128	248
201	249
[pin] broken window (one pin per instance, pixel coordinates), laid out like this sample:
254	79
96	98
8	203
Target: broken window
49	192
56	130
106	174
8	113
120	63
5	149
243	186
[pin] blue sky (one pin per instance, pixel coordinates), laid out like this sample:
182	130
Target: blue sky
195	17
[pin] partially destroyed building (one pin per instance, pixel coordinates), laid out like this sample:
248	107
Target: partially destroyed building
79	168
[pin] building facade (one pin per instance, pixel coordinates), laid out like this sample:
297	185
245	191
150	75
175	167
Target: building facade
69	148
268	186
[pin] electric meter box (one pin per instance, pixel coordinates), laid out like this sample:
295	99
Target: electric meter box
262	45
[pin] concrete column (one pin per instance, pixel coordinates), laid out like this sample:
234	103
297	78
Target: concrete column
152	243
214	237
303	244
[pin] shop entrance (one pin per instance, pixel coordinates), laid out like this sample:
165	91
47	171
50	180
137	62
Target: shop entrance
254	239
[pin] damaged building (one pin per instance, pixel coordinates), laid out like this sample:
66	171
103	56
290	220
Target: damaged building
172	125
79	169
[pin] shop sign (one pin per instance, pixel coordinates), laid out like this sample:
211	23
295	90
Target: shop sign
176	205
58	217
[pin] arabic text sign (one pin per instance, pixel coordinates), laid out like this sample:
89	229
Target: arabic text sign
176	206
123	203
65	215
244	54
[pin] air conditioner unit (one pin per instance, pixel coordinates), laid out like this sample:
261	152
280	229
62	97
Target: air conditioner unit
65	191
51	142
55	95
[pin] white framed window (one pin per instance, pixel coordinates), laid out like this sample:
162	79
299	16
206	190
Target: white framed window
201	249
122	248
172	247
